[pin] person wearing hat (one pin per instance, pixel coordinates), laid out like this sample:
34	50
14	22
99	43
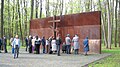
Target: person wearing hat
16	44
68	43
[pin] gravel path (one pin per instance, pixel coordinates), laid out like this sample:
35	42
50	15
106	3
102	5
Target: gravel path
47	60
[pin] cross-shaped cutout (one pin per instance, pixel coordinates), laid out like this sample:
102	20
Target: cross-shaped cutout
54	21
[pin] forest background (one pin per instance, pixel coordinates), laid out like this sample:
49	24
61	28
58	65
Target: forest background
16	15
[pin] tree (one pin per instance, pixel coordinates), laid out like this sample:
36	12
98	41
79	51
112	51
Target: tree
36	5
61	7
13	16
119	22
102	24
25	14
41	8
47	8
19	20
32	9
115	37
109	24
2	20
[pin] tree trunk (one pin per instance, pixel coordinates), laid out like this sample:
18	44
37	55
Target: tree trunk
103	25
25	9
9	21
32	9
87	5
61	10
2	20
119	23
37	5
13	16
41	8
91	5
112	20
20	21
47	8
16	19
115	37
109	24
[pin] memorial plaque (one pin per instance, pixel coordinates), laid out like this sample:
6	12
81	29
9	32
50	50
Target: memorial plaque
83	24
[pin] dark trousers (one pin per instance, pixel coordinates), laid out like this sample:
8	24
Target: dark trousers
68	49
5	48
47	48
37	48
16	51
43	48
30	49
50	47
26	47
13	50
58	50
76	51
0	48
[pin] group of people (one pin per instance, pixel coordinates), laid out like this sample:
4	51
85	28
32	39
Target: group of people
52	44
76	45
49	45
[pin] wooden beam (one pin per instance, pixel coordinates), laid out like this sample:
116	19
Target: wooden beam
54	21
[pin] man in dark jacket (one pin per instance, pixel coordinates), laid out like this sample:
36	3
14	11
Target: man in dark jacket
5	44
30	44
0	44
26	43
43	44
58	42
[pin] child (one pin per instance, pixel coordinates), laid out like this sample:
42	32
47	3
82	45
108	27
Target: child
64	48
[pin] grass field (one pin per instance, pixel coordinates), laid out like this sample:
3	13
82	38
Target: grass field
111	61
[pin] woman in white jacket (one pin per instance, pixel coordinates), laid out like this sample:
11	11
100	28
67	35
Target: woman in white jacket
54	46
75	40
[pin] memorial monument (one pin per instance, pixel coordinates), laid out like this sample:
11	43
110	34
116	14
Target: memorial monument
83	24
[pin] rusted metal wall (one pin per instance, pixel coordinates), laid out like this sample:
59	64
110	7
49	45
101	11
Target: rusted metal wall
83	24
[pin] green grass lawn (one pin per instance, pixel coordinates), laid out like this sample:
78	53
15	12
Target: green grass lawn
111	61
